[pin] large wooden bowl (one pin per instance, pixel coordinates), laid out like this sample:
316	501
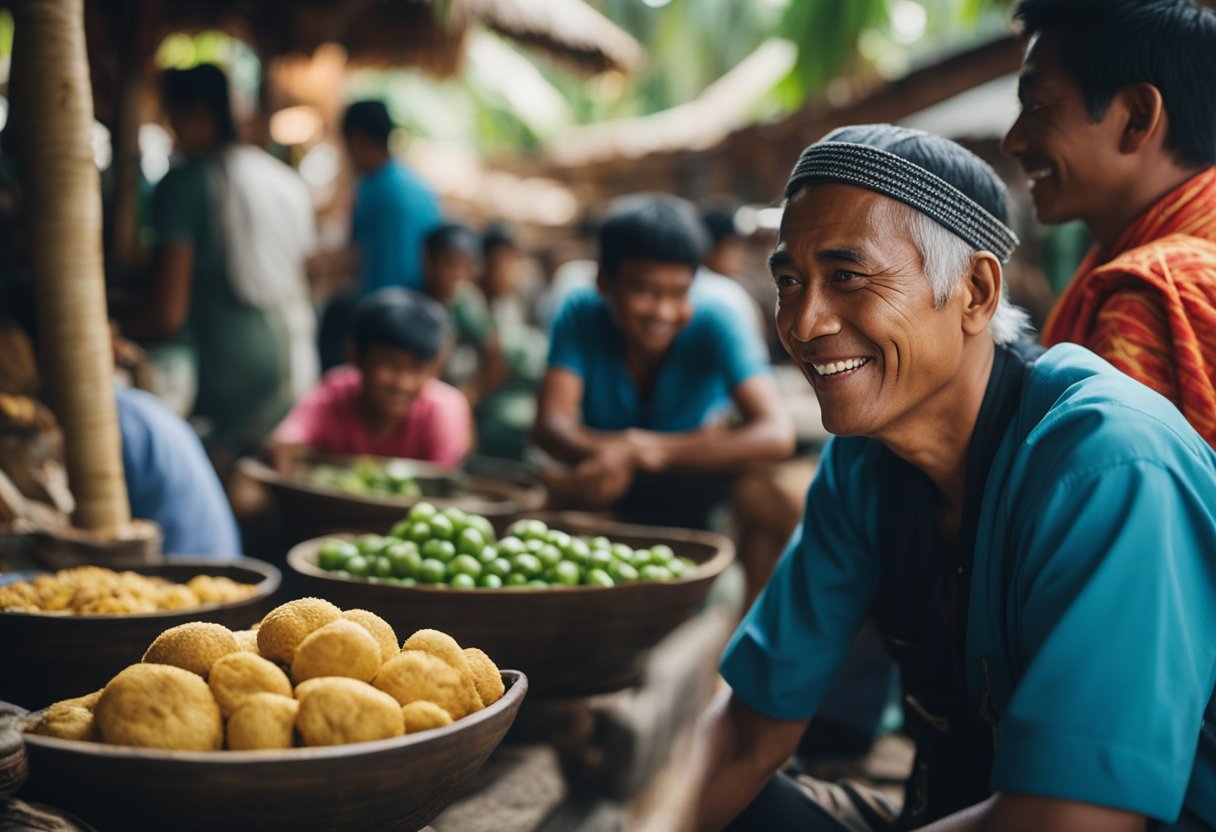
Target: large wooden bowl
491	488
46	657
569	640
398	784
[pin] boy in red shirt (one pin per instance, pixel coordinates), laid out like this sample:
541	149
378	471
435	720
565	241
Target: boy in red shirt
387	400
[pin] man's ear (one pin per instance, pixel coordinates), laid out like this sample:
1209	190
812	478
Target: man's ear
981	292
1146	117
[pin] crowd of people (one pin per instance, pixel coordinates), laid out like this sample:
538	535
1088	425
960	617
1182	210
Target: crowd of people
1025	525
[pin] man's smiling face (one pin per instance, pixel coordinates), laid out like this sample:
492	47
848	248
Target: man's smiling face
856	312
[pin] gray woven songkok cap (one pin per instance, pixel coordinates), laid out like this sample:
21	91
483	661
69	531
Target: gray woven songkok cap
839	159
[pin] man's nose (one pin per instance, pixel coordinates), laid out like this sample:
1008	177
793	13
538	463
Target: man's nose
815	316
1014	143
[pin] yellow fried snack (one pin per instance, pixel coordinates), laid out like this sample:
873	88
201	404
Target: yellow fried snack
238	675
414	675
247	640
212	589
159	706
443	646
71	719
423	716
380	630
264	720
96	590
486	676
340	648
287	625
193	646
338	710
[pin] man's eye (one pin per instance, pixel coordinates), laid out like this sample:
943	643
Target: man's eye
784	281
842	276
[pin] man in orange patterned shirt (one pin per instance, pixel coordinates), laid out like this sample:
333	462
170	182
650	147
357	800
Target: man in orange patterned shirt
1118	129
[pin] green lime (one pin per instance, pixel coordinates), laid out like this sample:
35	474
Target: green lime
599	559
333	553
620	551
528	564
382	567
622	572
567	573
370	544
549	556
470	542
539	583
599	542
558	538
661	553
598	577
456	515
401	528
510	546
516	579
405	558
476	521
359	566
577	551
654	572
440	550
676	567
407	582
529	530
500	567
420	532
534	544
489	581
442	527
488	554
464	565
432	571
422	512
462	581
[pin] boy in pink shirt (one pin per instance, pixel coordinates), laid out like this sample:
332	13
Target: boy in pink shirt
388	400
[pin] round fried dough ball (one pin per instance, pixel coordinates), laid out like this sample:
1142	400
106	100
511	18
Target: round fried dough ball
423	716
341	648
337	710
71	719
443	646
159	706
486	677
193	646
287	625
415	675
247	640
238	675
380	630
264	720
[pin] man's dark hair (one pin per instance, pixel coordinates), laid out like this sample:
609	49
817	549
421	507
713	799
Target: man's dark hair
452	236
370	118
946	159
497	234
719	219
665	229
1107	45
203	86
401	319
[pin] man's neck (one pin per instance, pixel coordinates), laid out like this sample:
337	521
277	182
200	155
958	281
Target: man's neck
377	425
1141	194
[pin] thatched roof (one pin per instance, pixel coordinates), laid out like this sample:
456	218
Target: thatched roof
567	29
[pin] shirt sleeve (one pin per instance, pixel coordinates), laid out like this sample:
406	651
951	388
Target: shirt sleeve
1115	609
794	640
1132	333
568	337
741	351
449	428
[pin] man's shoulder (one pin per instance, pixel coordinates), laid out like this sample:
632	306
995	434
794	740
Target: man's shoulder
342	383
441	396
584	305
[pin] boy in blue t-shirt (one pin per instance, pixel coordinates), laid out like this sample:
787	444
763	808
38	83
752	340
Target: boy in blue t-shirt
643	376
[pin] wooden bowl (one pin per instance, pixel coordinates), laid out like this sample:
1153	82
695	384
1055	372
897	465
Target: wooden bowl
569	640
45	657
491	488
400	783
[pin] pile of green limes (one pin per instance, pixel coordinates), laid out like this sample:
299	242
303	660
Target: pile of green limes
460	550
368	477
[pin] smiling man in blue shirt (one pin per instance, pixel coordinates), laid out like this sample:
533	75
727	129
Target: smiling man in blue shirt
644	373
1034	535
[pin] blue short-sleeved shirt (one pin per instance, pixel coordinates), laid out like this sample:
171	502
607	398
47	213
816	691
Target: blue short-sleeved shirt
716	352
1093	596
393	212
170	480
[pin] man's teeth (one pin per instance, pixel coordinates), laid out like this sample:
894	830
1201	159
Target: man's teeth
1036	175
839	366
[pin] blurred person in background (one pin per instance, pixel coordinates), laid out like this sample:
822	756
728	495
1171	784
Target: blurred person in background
233	230
1118	130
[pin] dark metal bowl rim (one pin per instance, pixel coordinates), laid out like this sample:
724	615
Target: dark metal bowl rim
516	683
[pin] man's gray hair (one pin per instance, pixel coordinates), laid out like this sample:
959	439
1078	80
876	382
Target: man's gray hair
945	259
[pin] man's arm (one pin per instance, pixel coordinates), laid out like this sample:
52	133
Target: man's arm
737	750
1022	813
559	429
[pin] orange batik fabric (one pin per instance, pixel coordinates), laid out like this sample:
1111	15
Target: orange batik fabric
1149	305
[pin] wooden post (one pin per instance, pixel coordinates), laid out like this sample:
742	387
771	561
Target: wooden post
52	108
137	46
